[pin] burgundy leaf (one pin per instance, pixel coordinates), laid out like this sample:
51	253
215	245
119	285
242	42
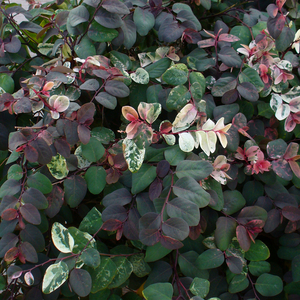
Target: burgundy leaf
111	225
30	214
86	113
155	189
234	264
291	213
243	237
163	168
170	243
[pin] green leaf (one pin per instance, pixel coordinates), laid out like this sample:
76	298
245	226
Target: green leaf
102	275
174	155
2	283
140	76
238	283
243	33
200	287
176	75
258	251
7	83
93	150
75	190
82	240
158	68
58	167
210	259
61	237
92	221
156	252
40	182
224	233
143	178
80	282
140	267
257	268
99	33
296	268
187	264
124	270
161	291
252	76
54	277
90	257
265	110
189	189
144	20
198	85
178	97
269	285
285	39
96	179
233	202
85	48
184	209
15	172
196	169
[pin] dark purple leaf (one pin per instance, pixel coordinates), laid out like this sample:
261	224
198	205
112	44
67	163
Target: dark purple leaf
170	30
61	18
170	243
234	264
243	237
34	236
84	134
115	6
273	220
108	19
239	121
90	85
9	214
176	228
7	241
70	130
86	113
155	189
7	202
114	211
44	151
30	26
10	187
120	197
29	252
30	214
22	106
230	57
248	91
62	147
224	233
275	25
117	88
16	139
230	96
150	220
282	168
31	153
163	168
149	237
250	213
112	225
55	200
285	199
131	226
35	197
81	282
291	213
75	190
272	10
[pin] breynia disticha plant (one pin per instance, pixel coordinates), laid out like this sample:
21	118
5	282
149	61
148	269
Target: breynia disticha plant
150	150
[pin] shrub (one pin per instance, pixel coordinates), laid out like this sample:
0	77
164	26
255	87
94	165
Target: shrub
149	150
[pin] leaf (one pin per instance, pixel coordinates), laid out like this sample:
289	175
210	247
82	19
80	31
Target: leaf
129	31
117	88
10	187
250	213
115	6
90	257
285	39
156	252
275	25
210	259
176	228
230	57
235	264
149	111
158	68
269	285
15	172
233	202
91	222
61	238
238	284
133	155
78	15
258	251
224	233
54	277
291	213
82	240
200	287
144	20
99	33
163	291
107	19
176	75
58	167
35	197
124	270
55	200
30	213
102	275
184	118
257	268
140	267
184	209
248	91
198	85
90	85
34	236
140	76
80	282
95	178
93	150
29	252
196	169
186	142
296	268
276	148
29	279
170	30
189	189
40	182
223	85
7	242
142	178
75	189
83	50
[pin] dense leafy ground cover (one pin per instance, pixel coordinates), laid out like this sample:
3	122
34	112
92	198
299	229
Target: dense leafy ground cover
148	150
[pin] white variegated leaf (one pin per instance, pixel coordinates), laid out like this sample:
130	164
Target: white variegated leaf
133	155
203	142
186	142
184	118
170	139
212	140
61	238
292	94
285	65
140	76
295	105
275	102
54	277
282	112
58	167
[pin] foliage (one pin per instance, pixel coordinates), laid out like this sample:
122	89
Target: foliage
149	150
